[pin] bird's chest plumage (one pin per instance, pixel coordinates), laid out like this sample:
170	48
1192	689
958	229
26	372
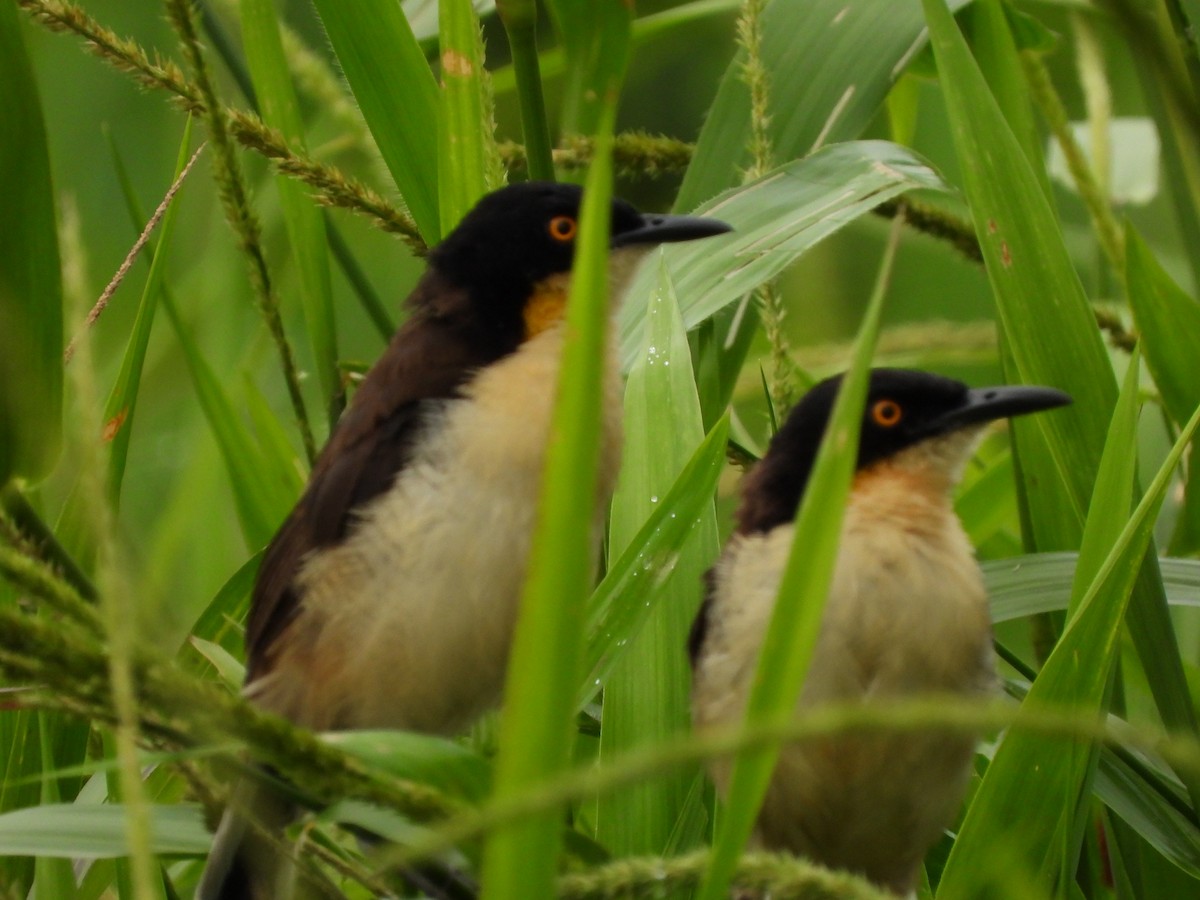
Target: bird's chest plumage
421	597
906	614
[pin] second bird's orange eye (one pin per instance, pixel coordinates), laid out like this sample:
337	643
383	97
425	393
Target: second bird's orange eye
562	228
886	413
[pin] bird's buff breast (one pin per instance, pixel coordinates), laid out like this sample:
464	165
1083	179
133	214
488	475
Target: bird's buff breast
422	596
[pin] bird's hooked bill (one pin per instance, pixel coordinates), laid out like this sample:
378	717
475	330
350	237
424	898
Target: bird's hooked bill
665	229
990	403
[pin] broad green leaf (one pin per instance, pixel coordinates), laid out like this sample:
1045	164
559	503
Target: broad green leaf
775	219
122	401
621	604
646	699
465	140
1049	337
31	328
792	633
1041	582
444	764
94	831
520	860
395	89
830	64
1034	787
422	15
304	222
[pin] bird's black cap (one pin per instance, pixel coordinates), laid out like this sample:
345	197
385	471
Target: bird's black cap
528	231
904	407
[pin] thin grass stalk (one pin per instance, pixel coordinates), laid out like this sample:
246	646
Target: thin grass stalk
232	190
950	713
119	615
520	23
1089	186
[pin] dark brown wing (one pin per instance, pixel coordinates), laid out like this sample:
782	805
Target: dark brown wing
429	359
699	630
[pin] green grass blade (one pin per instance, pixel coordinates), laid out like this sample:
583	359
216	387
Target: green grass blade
840	58
31	328
792	633
520	860
1050	338
622	602
97	831
1169	321
53	877
465	139
777	218
122	401
261	503
520	24
591	69
646	698
304	222
1034	787
397	94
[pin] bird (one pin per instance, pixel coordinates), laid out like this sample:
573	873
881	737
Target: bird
906	614
388	597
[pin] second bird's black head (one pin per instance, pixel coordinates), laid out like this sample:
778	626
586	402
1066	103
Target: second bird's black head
904	408
516	238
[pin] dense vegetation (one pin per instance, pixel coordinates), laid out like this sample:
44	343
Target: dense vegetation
995	190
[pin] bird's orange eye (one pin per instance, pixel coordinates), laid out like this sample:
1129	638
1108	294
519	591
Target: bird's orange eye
562	228
886	413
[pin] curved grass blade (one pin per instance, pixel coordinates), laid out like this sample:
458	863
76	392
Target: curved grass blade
776	218
1051	338
1034	786
31	329
97	831
792	633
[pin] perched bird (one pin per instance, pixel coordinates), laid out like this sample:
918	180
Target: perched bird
906	614
388	597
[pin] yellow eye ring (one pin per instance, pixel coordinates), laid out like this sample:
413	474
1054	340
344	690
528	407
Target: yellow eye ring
562	228
886	413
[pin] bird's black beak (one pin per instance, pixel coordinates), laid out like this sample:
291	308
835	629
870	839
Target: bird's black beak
661	229
986	404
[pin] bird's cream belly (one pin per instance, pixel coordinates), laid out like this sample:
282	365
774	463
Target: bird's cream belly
906	615
409	620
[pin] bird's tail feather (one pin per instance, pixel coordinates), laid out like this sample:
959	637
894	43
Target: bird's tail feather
246	860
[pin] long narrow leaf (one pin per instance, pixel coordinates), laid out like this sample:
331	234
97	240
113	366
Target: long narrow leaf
791	636
397	94
304	222
646	698
464	122
520	860
31	338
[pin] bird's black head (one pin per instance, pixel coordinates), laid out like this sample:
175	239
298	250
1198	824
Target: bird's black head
904	408
517	244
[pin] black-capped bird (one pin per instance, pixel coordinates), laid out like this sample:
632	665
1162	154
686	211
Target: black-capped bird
906	614
388	597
